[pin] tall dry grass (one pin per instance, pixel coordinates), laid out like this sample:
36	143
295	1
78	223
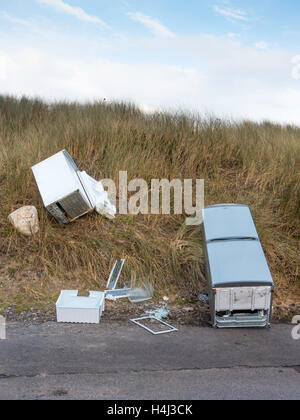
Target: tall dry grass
245	162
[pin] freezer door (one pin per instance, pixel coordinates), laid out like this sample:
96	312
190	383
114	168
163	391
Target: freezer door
228	221
237	263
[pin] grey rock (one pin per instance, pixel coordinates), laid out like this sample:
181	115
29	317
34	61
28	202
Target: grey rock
25	220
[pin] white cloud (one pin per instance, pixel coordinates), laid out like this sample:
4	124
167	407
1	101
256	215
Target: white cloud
77	12
289	97
231	13
14	19
296	67
154	25
5	63
232	35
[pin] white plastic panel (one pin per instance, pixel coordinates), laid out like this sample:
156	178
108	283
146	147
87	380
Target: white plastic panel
222	299
243	298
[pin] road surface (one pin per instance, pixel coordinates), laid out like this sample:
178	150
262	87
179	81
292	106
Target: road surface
120	361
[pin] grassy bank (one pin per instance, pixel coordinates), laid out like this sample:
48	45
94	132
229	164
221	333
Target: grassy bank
245	162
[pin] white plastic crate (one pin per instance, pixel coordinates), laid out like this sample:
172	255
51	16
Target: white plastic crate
80	309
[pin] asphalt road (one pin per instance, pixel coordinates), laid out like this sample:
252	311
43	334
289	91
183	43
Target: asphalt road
115	361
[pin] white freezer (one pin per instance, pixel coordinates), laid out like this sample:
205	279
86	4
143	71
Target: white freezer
62	191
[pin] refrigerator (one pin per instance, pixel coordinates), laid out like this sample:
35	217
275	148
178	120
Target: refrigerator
240	283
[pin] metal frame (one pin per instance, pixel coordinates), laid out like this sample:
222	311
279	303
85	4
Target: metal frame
171	328
112	282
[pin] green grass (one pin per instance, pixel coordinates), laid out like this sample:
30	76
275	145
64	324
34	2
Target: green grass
243	162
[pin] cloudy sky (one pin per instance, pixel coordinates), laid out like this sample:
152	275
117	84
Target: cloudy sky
233	58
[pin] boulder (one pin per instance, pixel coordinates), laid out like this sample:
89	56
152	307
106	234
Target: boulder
25	220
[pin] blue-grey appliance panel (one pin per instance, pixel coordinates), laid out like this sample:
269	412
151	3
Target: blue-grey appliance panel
228	221
237	263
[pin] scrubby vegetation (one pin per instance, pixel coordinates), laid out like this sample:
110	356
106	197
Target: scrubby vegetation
241	162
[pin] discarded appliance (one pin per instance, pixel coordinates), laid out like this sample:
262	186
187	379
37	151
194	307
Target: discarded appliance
138	321
240	281
80	309
68	193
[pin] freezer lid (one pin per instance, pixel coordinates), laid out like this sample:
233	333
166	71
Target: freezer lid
228	221
238	263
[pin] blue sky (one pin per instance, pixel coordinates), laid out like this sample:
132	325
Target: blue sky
233	58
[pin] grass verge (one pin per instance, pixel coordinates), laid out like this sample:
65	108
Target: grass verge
243	162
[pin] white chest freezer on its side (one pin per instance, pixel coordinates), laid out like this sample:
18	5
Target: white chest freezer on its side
240	282
61	188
